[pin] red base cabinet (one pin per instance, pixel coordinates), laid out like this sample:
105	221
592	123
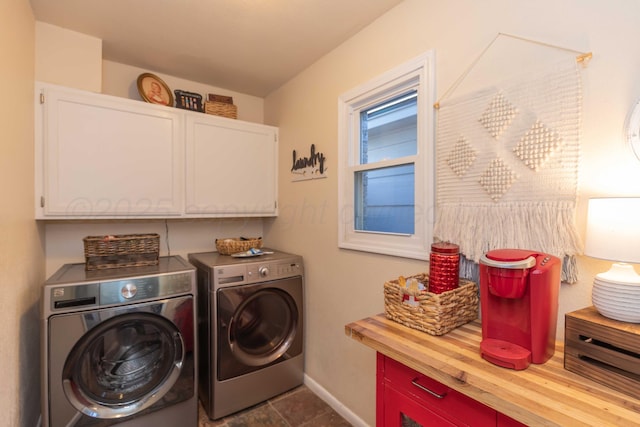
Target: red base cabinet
407	398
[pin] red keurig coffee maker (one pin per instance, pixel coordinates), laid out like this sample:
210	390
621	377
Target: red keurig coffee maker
519	306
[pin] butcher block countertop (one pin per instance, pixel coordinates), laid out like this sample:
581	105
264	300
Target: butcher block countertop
541	395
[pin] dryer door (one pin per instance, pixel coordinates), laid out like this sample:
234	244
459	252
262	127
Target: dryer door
123	365
258	325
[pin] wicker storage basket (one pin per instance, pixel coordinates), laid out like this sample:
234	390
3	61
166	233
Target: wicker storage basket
231	246
221	109
435	314
124	250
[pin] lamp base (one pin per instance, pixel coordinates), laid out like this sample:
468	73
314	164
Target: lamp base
620	272
616	293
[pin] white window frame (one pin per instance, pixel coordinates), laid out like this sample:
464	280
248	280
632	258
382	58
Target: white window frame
416	74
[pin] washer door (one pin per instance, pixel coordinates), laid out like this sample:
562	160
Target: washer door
123	365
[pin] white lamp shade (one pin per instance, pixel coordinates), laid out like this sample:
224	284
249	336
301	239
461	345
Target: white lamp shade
613	229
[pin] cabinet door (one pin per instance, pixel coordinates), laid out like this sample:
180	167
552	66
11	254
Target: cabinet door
103	156
231	167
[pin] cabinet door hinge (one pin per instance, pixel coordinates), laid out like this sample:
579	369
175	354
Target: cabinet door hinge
42	201
42	98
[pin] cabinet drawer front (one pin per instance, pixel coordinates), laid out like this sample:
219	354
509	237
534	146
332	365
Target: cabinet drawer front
403	412
429	392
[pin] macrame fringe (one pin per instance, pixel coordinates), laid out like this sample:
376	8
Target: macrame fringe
570	269
547	227
469	270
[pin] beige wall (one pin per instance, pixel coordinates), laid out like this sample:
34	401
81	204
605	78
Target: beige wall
68	58
21	252
346	285
177	237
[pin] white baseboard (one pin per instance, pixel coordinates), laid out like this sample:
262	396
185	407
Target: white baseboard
323	394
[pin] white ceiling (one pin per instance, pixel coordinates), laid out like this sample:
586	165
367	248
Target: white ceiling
248	46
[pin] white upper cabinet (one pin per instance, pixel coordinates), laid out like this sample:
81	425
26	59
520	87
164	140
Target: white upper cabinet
99	156
231	167
104	156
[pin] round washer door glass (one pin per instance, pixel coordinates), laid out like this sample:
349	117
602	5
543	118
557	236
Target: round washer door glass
263	327
123	365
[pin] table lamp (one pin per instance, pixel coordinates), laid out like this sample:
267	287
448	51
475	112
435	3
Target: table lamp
613	234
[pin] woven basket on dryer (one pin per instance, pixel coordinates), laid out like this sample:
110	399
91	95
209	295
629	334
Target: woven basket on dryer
435	314
231	246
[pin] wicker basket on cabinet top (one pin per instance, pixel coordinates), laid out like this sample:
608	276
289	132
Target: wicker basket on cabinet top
223	109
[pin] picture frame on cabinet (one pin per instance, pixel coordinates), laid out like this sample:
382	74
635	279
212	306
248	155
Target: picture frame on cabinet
188	100
154	90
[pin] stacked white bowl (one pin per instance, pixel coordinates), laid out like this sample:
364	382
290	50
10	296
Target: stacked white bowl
619	301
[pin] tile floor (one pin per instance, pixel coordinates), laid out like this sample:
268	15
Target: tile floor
299	407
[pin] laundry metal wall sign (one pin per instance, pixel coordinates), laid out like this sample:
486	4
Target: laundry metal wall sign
312	166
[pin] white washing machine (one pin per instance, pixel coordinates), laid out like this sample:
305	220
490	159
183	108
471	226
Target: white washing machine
250	328
119	347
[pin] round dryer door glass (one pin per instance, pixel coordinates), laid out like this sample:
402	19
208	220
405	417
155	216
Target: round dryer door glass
123	365
263	327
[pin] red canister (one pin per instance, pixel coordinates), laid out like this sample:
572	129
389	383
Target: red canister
444	267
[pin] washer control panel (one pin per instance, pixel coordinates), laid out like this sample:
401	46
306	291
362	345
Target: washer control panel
84	295
141	288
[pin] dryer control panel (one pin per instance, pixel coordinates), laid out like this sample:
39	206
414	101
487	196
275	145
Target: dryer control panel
257	271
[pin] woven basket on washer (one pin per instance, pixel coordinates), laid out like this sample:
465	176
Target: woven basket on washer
435	314
231	246
123	250
221	109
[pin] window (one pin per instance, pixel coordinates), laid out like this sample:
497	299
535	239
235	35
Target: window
386	164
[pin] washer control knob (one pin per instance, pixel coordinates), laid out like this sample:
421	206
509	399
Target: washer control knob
263	271
129	291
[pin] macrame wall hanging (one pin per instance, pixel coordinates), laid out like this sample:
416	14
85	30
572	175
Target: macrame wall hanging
507	165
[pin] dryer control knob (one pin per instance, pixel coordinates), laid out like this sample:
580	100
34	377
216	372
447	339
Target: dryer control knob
263	271
129	290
